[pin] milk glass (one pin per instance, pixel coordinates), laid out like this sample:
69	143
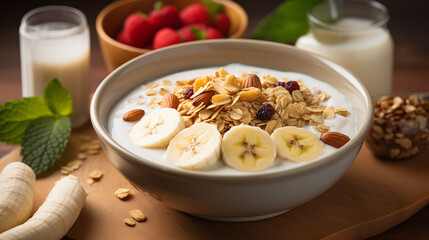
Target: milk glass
354	34
55	43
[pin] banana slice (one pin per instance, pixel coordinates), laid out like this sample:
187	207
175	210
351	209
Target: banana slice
157	128
248	148
297	144
195	147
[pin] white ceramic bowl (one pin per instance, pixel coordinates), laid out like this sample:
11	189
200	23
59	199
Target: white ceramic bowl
241	197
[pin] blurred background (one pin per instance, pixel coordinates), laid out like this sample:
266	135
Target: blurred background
408	25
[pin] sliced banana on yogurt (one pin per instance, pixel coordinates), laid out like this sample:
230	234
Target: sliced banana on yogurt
157	128
297	144
248	148
195	147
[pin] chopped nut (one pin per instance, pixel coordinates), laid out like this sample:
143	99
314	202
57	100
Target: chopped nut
75	165
96	175
404	142
137	215
81	156
394	152
410	108
122	193
129	222
85	137
90	181
93	151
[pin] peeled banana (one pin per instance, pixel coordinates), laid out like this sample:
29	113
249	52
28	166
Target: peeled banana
195	147
297	144
248	148
157	128
55	216
17	182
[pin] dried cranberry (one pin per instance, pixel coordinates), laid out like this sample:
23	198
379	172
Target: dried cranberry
188	93
265	112
290	85
281	84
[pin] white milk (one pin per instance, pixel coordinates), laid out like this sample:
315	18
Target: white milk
137	99
57	50
365	50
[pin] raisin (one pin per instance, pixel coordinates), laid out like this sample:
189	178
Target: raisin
265	112
188	93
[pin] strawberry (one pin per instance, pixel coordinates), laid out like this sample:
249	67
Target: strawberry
213	33
137	30
165	37
195	13
198	32
164	16
121	38
192	32
221	22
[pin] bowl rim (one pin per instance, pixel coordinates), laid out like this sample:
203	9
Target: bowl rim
107	9
355	142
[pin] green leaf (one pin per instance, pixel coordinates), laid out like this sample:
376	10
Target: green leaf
286	23
158	5
44	142
58	98
198	34
15	115
213	8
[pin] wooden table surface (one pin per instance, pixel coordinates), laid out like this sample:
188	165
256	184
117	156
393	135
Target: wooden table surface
408	26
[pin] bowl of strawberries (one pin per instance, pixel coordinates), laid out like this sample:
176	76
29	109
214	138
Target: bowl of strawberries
129	28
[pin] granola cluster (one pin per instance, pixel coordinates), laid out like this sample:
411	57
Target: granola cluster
226	100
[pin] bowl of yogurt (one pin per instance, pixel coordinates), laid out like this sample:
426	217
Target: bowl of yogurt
231	130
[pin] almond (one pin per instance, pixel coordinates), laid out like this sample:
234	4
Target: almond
133	115
251	80
334	139
170	100
204	98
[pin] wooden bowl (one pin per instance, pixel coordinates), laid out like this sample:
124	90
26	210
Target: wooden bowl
110	20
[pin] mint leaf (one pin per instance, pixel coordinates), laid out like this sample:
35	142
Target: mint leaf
44	142
58	98
286	23
15	115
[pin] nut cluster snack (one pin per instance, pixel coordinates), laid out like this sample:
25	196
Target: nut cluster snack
400	128
226	101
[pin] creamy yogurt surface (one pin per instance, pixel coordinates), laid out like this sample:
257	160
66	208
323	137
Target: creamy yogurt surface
138	99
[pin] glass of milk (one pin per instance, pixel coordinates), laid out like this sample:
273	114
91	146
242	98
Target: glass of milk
55	43
354	34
